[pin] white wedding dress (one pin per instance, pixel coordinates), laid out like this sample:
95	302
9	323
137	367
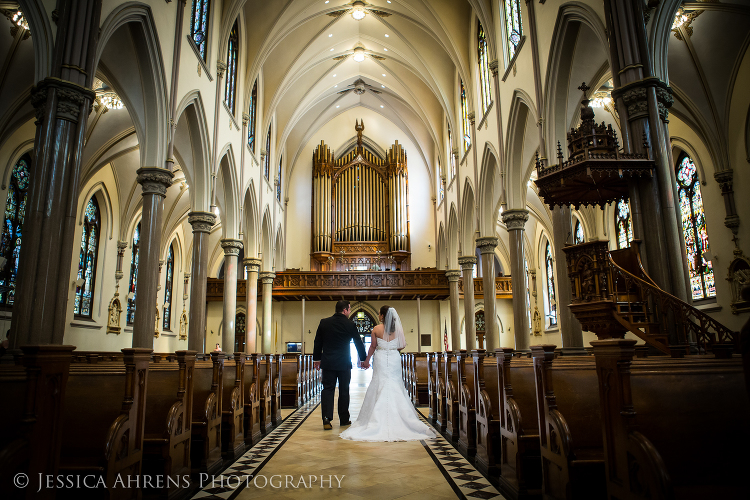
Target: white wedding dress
387	414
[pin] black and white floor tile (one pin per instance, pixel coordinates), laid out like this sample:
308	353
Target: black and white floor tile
465	480
233	479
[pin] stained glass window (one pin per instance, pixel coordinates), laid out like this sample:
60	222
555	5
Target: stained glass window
450	154
513	27
694	230
84	300
623	224
167	323
267	162
133	283
579	236
441	186
484	67
278	181
551	302
465	118
10	244
230	88
363	322
199	25
252	112
528	292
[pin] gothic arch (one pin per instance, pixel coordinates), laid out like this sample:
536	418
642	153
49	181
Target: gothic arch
468	220
105	206
251	227
490	192
227	193
266	242
453	238
139	68
43	38
522	143
192	148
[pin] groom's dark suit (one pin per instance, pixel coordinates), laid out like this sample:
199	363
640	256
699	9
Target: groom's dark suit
332	350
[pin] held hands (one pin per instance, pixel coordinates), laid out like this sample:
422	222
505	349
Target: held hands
364	364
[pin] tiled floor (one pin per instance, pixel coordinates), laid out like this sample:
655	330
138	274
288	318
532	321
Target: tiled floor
290	462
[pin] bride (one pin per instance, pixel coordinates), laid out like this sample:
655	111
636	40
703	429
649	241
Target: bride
387	413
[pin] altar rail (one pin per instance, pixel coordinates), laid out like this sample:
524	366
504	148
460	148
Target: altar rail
359	285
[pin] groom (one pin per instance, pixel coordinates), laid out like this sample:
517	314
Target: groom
331	353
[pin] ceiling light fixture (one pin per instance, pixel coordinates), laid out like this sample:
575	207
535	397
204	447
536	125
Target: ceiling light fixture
337	106
334	76
358	11
680	18
359	54
383	86
383	74
381	105
330	35
385	49
387	35
331	50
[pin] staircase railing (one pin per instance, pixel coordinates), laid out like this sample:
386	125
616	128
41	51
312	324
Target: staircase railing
661	310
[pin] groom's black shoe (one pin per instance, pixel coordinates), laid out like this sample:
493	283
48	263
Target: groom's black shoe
348	422
327	424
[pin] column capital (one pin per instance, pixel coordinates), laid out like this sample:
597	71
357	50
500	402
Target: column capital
487	244
494	65
472	117
202	222
70	98
267	277
252	264
515	219
231	246
221	67
122	245
467	262
245	118
453	276
154	180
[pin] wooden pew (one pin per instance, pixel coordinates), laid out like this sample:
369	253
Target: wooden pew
105	439
431	387
169	407
208	389
301	380
442	409
289	379
467	423
421	368
265	374
252	400
452	385
569	415
674	428
487	413
276	389
33	392
233	407
518	456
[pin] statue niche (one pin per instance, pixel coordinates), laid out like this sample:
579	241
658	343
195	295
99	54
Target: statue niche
359	210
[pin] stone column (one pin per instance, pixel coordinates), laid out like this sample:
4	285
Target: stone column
231	252
514	221
467	263
419	325
202	223
251	297
302	339
267	280
62	102
154	183
453	277
570	328
487	245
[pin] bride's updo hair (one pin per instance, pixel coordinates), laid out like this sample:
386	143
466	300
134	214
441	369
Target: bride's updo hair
388	328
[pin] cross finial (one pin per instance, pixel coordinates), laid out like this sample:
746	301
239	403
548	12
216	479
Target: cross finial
559	150
584	88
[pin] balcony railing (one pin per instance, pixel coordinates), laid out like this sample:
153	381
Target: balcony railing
359	285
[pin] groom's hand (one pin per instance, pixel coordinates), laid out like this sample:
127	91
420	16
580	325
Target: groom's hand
316	365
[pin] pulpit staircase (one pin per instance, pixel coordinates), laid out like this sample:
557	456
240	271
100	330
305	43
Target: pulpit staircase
612	295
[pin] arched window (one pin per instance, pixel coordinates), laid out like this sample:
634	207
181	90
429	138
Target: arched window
579	236
278	180
484	67
623	224
267	162
441	186
513	28
169	271
363	321
10	244
465	118
694	230
84	301
230	88
239	332
551	302
252	112
133	283
199	25
450	154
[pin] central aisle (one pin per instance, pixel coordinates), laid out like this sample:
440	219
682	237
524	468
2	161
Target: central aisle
284	463
370	470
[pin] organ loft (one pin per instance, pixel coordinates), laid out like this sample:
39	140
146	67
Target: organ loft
190	187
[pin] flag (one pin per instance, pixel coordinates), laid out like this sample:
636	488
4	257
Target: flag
445	337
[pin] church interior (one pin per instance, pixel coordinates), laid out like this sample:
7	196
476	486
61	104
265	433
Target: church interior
191	186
